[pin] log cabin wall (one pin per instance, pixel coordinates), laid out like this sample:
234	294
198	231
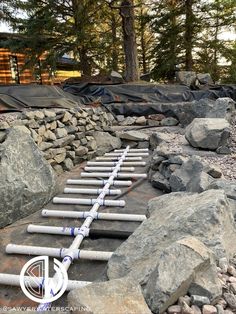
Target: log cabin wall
11	72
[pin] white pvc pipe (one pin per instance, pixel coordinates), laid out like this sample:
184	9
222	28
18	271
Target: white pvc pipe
84	201
14	280
117	158
55	230
98	182
131	169
129	154
80	233
117	175
132	150
100	216
113	163
90	191
57	252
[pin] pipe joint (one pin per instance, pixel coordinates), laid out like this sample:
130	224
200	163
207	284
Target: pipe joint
84	231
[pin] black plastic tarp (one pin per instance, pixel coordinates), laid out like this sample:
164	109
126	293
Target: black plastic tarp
18	97
138	93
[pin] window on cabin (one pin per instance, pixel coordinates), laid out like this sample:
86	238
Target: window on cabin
14	69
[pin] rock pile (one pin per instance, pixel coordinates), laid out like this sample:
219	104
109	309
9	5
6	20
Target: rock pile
65	137
184	113
151	120
224	304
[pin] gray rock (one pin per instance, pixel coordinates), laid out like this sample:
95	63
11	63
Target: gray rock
132	144
228	186
208	133
223	264
61	132
49	113
27	181
199	300
133	136
222	108
141	120
190	177
81	151
174	309
105	142
42	130
170	121
92	145
207	283
44	145
60	158
230	299
22	128
173	216
121	296
223	150
186	77
60	124
116	77
70	154
120	118
64	141
49	135
170	279
196	309
160	182
32	124
214	172
2	136
144	144
58	169
156	161
67	117
220	309
204	78
151	122
128	121
68	164
160	137
52	152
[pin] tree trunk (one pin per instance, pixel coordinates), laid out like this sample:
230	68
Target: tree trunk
114	62
130	45
189	34
143	43
143	47
215	74
85	65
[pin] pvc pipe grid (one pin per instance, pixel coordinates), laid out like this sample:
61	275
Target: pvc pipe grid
73	252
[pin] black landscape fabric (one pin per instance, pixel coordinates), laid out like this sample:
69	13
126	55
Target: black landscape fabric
127	99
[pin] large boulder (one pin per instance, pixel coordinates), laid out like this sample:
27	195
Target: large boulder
180	265
27	181
208	133
106	142
121	296
206	216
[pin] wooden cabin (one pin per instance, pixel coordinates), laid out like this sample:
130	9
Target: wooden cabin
11	68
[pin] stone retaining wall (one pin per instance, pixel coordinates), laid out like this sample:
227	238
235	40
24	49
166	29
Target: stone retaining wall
65	137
